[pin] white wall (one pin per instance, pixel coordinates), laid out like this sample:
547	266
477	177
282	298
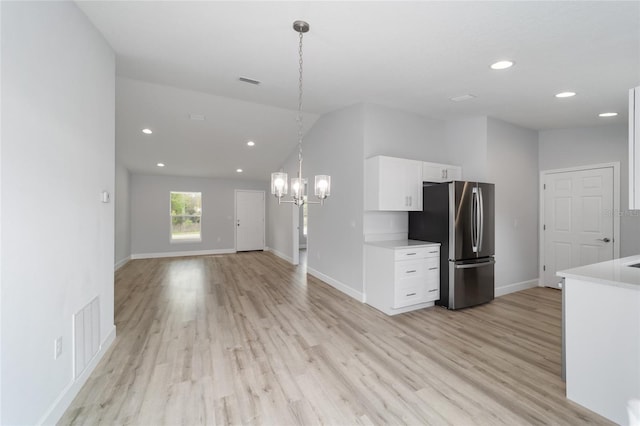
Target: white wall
562	148
402	134
512	164
280	216
150	220
334	146
122	201
57	235
466	146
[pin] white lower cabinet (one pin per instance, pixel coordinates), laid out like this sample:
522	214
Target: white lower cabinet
401	276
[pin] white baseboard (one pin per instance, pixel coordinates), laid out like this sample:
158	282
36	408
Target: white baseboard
279	254
512	288
337	285
120	263
181	253
57	409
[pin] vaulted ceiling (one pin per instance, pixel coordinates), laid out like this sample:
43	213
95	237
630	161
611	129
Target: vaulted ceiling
175	58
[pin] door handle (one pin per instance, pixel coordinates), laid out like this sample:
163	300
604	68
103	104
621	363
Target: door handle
474	265
604	240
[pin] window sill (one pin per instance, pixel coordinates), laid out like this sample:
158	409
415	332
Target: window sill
185	240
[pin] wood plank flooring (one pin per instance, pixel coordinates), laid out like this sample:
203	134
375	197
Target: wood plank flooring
249	339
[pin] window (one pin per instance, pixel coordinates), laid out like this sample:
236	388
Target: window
186	215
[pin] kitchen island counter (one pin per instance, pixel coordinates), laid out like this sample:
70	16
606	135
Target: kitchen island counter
602	338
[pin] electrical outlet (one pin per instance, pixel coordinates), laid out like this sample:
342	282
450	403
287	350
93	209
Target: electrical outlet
57	348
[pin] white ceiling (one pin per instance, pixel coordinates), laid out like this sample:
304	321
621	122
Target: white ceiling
408	55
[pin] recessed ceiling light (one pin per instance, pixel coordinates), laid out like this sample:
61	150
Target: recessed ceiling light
502	65
565	94
251	143
147	131
239	170
607	114
160	164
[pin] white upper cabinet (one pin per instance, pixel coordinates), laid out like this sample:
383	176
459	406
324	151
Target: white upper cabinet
434	172
634	148
393	184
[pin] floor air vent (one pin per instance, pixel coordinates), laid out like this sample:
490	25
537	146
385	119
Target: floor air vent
86	336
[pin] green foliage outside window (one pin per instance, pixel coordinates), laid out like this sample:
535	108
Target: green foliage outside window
186	215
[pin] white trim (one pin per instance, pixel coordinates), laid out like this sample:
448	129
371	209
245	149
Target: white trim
64	400
616	208
512	288
279	254
120	263
181	253
337	284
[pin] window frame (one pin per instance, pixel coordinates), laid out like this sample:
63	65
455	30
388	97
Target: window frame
173	240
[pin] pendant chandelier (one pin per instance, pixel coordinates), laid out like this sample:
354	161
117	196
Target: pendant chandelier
279	186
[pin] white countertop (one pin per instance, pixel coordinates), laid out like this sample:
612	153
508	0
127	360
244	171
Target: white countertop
612	272
399	244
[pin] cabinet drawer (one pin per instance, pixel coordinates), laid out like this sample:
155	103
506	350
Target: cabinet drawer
417	253
408	271
407	296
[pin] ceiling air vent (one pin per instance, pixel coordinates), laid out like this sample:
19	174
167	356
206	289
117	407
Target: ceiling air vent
462	98
249	80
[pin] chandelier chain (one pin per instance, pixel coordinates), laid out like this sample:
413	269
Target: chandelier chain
300	92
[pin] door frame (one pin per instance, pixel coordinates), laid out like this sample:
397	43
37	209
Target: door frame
235	215
616	209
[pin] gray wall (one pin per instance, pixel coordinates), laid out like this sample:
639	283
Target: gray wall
466	146
122	199
57	236
334	238
150	220
593	145
402	134
280	216
512	164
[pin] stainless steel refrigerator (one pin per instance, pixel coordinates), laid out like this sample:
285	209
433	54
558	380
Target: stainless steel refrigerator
460	216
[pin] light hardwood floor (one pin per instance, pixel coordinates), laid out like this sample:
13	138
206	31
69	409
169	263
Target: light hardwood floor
249	339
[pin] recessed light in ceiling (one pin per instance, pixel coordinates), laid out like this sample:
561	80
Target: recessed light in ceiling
160	164
239	170
251	143
502	65
197	117
249	80
147	131
607	114
462	98
565	94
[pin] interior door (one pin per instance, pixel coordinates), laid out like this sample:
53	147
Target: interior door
578	220
249	220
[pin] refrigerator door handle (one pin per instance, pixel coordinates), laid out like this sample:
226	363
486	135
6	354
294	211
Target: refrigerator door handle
474	219
481	218
475	265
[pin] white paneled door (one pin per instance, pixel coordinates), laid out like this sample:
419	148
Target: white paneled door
578	223
249	220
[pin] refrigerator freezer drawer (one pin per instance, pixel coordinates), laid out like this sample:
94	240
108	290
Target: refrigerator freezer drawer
471	283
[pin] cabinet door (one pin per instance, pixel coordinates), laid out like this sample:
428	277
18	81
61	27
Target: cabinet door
432	172
393	184
454	173
393	181
432	281
413	185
